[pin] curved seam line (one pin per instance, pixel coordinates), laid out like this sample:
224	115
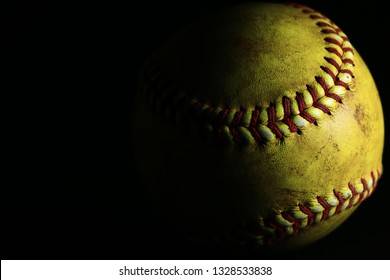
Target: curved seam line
305	215
280	119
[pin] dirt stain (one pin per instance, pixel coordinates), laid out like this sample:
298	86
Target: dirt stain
362	119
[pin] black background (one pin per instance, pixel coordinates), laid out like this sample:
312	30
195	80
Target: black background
72	191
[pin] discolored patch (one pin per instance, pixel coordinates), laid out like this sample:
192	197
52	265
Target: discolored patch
362	119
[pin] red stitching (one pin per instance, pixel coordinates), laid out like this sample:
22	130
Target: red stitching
219	122
326	206
347	71
156	81
255	116
296	223
333	41
308	11
335	51
317	17
333	62
287	112
321	81
313	92
301	106
340	199
280	231
270	224
300	101
209	110
272	121
347	49
234	125
329	31
334	96
365	189
354	193
348	60
323	24
328	71
307	211
253	123
322	108
286	107
341	83
373	177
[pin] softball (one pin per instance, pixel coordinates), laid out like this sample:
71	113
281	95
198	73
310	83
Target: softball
258	126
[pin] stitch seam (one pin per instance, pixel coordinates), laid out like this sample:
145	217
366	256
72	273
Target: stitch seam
303	216
280	119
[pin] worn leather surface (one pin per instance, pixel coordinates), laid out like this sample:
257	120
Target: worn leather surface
248	56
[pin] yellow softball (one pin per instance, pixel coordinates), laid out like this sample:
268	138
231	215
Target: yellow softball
258	126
